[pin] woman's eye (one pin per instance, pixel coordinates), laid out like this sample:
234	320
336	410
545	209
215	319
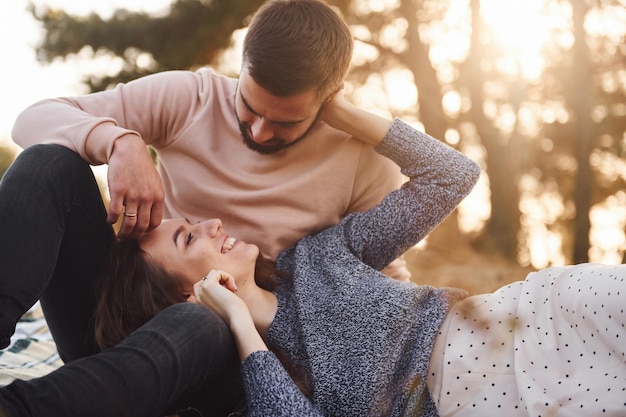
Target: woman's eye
189	238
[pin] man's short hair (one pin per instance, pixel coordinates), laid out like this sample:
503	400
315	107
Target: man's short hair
294	46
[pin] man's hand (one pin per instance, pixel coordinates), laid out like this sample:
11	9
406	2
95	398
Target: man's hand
135	188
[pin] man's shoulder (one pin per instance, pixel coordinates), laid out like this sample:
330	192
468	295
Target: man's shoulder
202	80
210	76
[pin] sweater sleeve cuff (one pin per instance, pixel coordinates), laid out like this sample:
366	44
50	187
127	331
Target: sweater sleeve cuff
270	391
100	141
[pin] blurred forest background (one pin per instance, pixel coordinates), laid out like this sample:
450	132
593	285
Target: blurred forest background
534	90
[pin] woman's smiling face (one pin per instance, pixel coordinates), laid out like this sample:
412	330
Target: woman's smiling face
191	251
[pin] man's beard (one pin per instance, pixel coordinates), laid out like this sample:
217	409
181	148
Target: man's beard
276	144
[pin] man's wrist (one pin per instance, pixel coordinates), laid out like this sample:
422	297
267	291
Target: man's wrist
127	143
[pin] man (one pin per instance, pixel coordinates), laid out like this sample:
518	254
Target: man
252	151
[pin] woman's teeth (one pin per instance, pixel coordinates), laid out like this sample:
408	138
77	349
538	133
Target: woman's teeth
228	244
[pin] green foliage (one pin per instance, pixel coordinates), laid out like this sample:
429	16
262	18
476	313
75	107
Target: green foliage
190	35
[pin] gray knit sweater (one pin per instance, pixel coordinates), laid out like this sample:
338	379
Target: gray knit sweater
363	339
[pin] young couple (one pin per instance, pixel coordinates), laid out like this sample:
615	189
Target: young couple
317	332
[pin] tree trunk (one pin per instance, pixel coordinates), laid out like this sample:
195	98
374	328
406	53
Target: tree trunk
502	156
581	89
425	76
431	112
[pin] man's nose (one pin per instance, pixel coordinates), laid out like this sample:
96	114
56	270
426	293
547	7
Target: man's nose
261	131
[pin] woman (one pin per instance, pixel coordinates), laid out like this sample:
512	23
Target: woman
367	345
364	345
440	178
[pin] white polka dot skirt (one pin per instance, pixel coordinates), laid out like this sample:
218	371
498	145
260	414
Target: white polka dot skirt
552	345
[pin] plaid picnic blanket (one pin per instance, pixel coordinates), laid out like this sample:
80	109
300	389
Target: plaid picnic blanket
32	352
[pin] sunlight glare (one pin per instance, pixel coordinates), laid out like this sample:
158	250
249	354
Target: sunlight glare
105	8
452	103
368	95
400	89
607	237
376	6
541	206
449	38
518	24
474	211
452	137
608	21
610	166
523	29
393	36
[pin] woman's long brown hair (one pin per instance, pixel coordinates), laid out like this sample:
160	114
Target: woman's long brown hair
132	291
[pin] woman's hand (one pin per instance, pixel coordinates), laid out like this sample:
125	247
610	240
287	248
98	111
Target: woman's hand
217	291
339	113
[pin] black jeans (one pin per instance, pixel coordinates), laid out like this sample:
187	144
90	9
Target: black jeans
179	353
53	245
